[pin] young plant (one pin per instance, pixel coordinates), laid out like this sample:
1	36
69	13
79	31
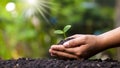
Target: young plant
65	29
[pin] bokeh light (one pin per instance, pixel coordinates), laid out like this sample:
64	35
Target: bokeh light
10	6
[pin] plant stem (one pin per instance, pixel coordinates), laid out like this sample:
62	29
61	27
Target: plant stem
64	35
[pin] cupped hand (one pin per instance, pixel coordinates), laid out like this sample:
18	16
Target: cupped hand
80	47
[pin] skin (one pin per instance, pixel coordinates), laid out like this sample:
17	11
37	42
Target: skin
85	46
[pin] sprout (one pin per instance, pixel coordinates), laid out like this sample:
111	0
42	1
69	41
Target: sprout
65	29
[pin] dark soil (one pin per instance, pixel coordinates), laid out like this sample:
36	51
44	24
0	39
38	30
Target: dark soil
63	41
57	63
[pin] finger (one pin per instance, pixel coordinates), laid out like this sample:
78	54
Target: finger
58	47
74	51
50	51
74	42
63	49
64	55
54	47
71	50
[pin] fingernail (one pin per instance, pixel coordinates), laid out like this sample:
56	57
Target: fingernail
52	47
66	44
50	50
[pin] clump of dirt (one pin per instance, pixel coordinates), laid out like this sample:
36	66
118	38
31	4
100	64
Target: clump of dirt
65	40
57	63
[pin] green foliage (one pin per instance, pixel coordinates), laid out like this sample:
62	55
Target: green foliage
59	32
65	29
20	36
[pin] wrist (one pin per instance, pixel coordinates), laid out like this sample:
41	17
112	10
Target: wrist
110	39
101	42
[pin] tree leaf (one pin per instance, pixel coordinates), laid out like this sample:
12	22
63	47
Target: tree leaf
58	32
66	28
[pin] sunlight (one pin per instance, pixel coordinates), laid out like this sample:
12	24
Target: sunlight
10	6
32	2
38	6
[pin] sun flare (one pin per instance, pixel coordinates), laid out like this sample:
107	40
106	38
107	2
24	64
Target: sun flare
31	1
38	6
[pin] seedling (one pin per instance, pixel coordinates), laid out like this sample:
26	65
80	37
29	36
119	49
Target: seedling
65	29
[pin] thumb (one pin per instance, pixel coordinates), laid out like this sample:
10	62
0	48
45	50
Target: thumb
74	43
66	44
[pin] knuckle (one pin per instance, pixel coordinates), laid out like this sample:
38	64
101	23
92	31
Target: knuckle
84	38
71	43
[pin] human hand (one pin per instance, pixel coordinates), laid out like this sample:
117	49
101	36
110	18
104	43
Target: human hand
81	47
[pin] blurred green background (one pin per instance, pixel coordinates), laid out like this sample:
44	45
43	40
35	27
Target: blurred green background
27	26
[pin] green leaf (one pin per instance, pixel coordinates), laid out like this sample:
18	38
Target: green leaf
66	28
58	32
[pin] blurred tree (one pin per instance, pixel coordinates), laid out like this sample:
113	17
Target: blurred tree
85	16
110	3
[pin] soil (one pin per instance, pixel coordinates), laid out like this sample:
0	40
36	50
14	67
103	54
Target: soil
63	41
58	63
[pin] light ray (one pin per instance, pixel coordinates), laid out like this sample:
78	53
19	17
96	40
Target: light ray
43	15
40	6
